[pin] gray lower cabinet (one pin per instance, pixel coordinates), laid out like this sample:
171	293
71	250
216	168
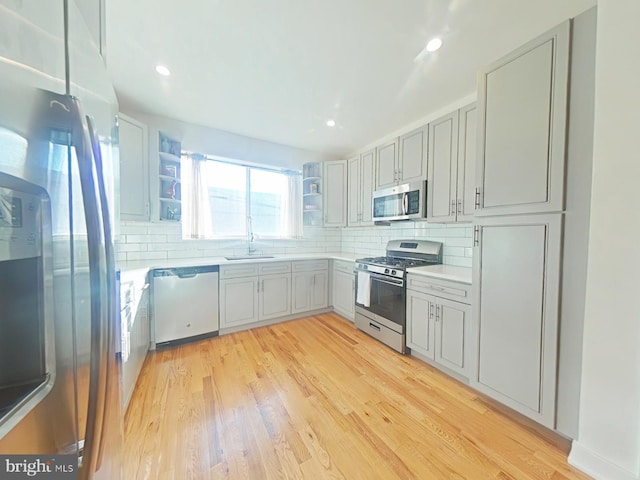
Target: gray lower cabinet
238	301
275	296
251	292
437	327
343	288
420	327
516	318
135	328
452	322
309	287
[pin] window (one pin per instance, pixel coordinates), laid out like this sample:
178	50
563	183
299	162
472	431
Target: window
223	199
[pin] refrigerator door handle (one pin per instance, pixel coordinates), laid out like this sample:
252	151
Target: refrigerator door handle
98	288
109	326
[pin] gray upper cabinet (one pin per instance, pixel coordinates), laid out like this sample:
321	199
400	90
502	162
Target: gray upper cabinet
353	191
93	12
360	190
516	315
467	155
335	193
443	164
452	166
412	165
522	109
387	165
134	170
402	160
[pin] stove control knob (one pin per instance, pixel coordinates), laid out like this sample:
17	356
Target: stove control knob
386	270
364	267
393	272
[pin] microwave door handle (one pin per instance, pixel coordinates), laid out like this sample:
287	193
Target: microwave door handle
108	331
97	368
405	204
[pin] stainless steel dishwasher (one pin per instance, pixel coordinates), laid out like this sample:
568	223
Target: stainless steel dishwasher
185	304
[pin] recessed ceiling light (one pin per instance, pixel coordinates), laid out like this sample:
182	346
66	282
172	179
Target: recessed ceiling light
434	44
331	123
163	70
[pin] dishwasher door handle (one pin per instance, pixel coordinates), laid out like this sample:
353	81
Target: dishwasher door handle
186	274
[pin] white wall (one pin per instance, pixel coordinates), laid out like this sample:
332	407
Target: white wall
608	445
210	141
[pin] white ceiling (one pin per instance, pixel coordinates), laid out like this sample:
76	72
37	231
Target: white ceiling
277	70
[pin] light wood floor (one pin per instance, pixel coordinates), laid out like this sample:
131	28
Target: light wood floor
317	399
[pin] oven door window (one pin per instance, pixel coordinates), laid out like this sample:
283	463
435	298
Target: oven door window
387	300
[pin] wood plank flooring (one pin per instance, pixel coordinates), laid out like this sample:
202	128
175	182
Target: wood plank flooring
317	399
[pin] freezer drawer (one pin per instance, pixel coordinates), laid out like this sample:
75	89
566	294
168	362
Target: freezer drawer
185	303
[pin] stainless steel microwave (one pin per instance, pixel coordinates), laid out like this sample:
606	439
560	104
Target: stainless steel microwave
403	202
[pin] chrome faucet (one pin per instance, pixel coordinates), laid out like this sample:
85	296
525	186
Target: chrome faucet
250	237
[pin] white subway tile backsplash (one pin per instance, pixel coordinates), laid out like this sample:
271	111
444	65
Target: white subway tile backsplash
132	247
156	241
146	255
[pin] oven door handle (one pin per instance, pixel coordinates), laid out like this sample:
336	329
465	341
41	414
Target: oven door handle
398	282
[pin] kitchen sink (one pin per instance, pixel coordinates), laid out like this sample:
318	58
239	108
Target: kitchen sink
248	257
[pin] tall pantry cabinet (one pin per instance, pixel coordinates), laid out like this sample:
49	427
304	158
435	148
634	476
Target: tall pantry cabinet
528	123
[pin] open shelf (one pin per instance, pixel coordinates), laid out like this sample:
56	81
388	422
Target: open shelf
169	182
312	206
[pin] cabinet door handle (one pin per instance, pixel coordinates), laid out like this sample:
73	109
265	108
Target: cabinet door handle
460	206
430	310
476	205
437	313
453	207
476	236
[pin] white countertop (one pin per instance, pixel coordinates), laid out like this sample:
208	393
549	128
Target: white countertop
445	272
201	261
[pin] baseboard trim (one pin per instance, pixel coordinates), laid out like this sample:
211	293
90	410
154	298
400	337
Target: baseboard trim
593	464
272	321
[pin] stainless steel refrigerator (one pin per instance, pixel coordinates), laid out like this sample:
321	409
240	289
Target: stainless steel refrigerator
60	371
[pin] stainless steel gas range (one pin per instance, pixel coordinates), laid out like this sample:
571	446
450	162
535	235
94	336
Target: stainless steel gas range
381	288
